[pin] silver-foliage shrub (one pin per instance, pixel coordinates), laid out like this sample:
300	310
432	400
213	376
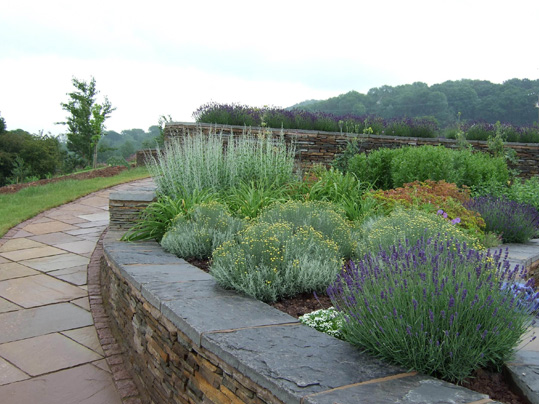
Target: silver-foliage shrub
326	217
269	261
200	232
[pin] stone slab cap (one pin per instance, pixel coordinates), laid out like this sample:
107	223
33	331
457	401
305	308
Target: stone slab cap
143	195
295	361
524	369
141	257
195	284
407	388
220	312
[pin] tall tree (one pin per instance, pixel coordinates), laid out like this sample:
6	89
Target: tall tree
2	125
86	119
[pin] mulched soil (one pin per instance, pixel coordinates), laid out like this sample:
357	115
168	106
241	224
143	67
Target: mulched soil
497	385
101	172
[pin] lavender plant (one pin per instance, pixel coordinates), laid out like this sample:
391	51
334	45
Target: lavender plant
437	307
273	117
516	222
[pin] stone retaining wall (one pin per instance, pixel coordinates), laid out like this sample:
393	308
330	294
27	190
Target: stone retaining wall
125	208
317	147
189	341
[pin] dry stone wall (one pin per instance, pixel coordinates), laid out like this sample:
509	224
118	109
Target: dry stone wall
316	147
189	341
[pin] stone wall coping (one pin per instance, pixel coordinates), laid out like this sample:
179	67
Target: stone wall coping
347	134
296	363
143	195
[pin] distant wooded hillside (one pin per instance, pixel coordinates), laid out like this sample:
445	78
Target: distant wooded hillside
513	102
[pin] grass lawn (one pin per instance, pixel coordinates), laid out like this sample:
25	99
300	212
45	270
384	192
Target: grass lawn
28	202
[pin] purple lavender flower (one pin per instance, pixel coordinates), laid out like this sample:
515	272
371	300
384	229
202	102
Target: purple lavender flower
516	222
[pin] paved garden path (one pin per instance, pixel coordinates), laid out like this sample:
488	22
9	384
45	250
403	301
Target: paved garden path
49	346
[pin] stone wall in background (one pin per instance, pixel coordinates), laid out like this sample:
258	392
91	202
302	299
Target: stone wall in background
315	147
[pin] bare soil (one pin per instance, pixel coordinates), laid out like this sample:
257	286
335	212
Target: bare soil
101	172
497	385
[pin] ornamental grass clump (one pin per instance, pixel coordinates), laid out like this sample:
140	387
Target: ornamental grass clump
516	222
270	261
438	307
214	162
332	185
198	233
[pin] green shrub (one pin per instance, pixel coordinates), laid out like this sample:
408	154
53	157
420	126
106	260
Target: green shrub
407	226
437	307
375	168
391	168
325	217
201	231
525	191
277	260
420	163
343	189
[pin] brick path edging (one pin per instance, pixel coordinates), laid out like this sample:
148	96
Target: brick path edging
114	355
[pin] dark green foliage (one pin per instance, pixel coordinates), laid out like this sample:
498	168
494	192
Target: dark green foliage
157	218
2	125
392	168
38	155
85	121
374	168
513	101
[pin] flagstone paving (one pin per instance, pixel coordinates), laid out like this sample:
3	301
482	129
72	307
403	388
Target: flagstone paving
49	346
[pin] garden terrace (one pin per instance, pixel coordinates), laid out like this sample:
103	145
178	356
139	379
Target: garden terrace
318	147
188	340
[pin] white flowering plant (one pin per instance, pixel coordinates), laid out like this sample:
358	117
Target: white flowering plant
328	321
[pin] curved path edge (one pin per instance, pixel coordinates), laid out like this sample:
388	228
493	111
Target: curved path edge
54	345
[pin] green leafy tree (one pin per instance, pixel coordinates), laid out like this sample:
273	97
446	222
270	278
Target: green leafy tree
2	125
40	155
86	119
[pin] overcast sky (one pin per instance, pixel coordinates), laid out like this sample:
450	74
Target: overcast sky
161	57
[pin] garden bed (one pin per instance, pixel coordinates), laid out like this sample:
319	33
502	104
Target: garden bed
497	385
188	339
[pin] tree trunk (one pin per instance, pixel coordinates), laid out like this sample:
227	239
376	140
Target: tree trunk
95	157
